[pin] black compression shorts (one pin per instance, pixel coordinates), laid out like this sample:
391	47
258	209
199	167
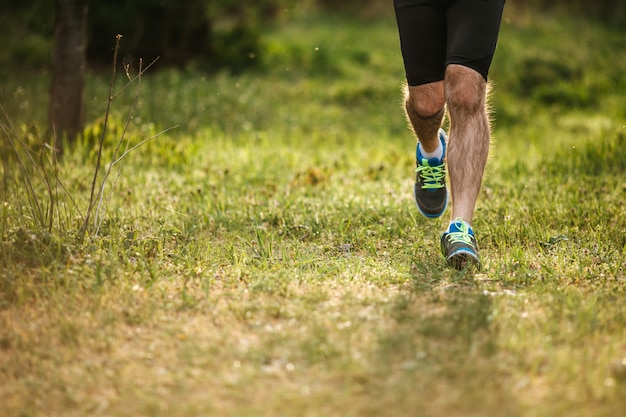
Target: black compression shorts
435	33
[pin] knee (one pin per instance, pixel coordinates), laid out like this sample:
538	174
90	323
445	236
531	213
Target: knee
424	101
465	90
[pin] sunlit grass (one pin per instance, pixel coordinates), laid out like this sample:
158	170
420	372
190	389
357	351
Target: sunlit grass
266	257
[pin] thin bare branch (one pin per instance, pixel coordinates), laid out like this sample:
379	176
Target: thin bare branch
139	74
90	206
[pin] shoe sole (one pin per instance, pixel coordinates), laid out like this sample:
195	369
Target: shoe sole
463	259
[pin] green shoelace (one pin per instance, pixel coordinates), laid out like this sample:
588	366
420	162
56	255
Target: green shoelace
434	177
463	235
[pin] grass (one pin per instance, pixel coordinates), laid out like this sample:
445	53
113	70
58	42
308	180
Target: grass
266	258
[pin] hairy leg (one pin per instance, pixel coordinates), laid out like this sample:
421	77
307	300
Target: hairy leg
425	107
468	148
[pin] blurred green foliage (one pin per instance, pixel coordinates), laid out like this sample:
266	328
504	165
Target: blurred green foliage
612	12
26	29
209	34
217	33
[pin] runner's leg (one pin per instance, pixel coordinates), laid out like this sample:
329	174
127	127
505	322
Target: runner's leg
473	27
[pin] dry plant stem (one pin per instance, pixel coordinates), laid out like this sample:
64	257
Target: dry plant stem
44	216
98	196
51	194
98	221
115	159
132	80
12	136
98	217
83	228
56	188
53	191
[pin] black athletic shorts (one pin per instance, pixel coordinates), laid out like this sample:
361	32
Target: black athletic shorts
435	33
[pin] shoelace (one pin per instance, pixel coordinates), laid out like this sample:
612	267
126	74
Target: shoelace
463	235
433	176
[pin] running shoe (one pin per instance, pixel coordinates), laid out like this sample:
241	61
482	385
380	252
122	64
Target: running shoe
431	194
458	245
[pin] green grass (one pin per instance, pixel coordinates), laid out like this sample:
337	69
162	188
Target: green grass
266	257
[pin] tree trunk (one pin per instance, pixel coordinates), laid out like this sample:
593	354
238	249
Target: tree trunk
66	109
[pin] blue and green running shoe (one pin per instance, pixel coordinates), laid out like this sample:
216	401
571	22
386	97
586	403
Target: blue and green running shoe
458	245
431	194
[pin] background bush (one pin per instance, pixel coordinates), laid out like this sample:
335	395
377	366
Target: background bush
211	33
218	33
